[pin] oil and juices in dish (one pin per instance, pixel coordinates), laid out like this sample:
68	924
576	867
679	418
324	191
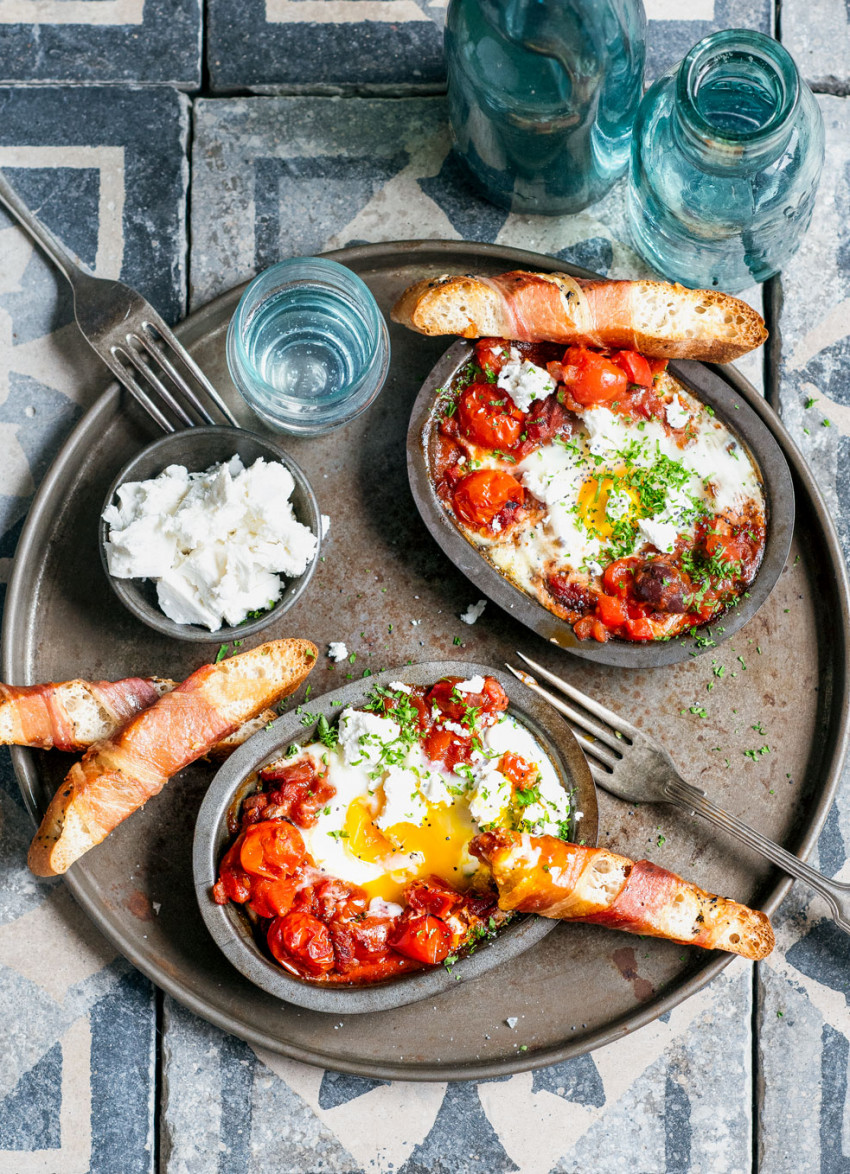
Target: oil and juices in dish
308	347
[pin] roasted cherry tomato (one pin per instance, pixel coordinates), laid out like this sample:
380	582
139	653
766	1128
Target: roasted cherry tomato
444	746
431	895
489	417
482	495
303	939
233	882
272	849
640	628
446	696
272	898
422	937
521	773
491	354
589	627
618	577
340	901
657	366
356	942
300	790
636	367
611	611
592	378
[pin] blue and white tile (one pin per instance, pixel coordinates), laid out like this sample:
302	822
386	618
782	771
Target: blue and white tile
818	38
280	177
77	1068
269	45
94	41
106	170
655	1094
804	990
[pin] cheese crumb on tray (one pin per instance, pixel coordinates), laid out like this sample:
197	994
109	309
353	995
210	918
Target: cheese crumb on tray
215	543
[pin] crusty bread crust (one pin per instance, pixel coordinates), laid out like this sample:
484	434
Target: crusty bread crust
545	875
657	318
118	775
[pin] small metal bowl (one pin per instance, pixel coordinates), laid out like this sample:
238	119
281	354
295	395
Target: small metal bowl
197	449
706	384
230	927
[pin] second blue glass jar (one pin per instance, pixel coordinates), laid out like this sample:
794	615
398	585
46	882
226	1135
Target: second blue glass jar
726	159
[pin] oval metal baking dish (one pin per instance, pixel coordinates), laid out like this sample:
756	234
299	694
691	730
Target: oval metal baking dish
709	386
230	927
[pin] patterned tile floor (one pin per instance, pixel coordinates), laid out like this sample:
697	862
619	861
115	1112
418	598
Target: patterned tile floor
98	1072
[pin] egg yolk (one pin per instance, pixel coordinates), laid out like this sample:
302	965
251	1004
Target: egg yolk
593	504
440	844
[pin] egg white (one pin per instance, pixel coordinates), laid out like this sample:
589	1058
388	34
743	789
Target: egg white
445	808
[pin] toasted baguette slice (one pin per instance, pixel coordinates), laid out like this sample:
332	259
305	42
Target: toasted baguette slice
72	715
542	874
119	774
653	317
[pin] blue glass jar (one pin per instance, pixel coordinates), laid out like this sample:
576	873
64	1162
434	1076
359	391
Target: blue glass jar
543	95
726	159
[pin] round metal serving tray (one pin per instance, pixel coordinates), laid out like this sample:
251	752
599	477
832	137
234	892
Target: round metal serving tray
581	986
710	387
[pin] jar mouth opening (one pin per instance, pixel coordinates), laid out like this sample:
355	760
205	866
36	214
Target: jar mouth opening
737	87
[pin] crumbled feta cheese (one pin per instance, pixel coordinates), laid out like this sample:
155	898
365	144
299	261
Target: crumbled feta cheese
362	734
491	796
326	526
454	727
215	543
402	800
337	651
512	1021
434	788
474	612
473	685
524	381
661	535
378	907
676	412
399	687
607	432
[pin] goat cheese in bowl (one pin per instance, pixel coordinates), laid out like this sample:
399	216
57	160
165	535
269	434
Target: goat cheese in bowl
210	530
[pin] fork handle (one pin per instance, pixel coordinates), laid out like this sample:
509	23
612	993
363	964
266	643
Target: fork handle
63	258
837	895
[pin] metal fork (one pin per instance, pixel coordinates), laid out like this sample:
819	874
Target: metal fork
633	766
129	336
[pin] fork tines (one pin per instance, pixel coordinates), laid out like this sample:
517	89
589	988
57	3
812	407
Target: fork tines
603	742
150	360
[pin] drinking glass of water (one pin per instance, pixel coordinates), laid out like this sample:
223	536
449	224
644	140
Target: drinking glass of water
308	347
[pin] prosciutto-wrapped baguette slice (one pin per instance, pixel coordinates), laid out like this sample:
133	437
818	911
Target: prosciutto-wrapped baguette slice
72	715
542	874
653	317
119	774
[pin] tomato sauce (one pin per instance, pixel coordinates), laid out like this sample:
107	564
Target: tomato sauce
318	927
